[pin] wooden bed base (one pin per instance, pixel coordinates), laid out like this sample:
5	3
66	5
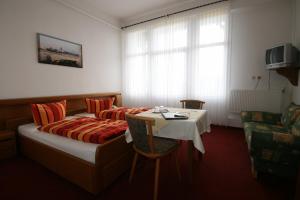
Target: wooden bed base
111	160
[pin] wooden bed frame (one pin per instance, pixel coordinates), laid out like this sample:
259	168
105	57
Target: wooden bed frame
112	158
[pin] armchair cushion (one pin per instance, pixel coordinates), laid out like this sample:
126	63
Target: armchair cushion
274	140
296	128
251	127
276	152
290	115
262	117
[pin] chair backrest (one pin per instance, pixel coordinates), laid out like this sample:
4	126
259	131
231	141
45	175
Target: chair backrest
193	104
141	132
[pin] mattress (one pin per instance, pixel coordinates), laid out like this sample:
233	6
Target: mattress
82	150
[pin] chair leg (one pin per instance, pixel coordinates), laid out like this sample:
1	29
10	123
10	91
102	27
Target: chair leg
157	165
177	166
133	166
254	172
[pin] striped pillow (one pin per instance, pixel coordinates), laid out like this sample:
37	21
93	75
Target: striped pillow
114	114
44	114
119	113
97	105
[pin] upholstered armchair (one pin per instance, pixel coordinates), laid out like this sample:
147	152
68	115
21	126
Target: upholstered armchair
273	140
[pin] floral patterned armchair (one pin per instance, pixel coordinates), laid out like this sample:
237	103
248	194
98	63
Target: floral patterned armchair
273	140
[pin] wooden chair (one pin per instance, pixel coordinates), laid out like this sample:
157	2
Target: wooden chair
193	104
145	144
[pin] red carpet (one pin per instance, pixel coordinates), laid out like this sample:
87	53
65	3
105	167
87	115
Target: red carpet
223	173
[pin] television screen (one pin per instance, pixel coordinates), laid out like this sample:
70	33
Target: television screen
277	54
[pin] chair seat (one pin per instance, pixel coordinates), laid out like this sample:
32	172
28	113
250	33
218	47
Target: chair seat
164	145
161	145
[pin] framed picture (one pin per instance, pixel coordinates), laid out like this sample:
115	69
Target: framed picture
56	51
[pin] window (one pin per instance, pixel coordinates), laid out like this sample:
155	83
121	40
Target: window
183	56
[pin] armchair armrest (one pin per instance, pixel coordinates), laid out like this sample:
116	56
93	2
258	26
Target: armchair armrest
264	117
276	147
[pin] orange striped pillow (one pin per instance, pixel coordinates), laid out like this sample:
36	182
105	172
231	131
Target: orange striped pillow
97	105
114	114
44	114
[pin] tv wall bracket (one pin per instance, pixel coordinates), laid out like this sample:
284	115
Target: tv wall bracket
291	73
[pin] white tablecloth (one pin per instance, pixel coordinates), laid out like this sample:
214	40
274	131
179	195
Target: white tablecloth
190	129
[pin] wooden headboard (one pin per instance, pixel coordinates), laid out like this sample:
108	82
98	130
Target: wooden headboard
14	112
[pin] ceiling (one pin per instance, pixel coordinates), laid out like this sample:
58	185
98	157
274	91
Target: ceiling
113	10
123	12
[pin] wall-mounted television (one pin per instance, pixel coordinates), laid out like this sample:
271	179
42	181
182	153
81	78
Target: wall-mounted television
285	55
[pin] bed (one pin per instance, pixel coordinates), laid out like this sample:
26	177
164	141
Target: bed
93	167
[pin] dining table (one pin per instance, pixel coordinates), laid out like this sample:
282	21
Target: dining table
189	129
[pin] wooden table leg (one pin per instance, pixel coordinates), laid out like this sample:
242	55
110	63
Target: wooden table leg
190	159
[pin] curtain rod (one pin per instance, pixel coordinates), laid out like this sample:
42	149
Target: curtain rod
174	13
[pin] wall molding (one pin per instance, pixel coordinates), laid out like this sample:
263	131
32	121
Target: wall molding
83	12
174	7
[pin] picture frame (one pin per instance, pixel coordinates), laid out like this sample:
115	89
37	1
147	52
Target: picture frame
56	51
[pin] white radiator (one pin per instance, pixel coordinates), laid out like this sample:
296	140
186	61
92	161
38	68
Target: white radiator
255	100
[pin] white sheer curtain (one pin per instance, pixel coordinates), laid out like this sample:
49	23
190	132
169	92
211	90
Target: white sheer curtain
177	57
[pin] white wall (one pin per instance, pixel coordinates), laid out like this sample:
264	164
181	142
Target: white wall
296	90
20	73
256	27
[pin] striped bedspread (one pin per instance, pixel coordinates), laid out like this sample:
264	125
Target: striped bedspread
119	113
87	129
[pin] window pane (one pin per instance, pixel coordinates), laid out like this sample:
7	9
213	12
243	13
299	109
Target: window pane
136	76
136	42
210	72
168	75
169	37
212	30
